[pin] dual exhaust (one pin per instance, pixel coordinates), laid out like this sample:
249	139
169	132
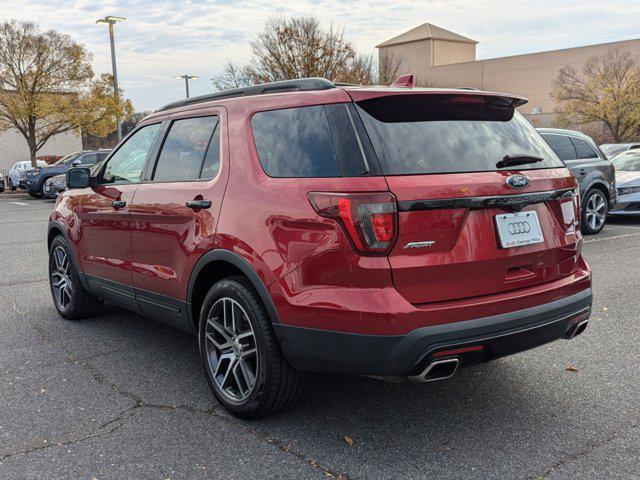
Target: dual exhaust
441	369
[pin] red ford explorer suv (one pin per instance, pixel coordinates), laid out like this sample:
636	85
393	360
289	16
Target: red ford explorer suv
303	226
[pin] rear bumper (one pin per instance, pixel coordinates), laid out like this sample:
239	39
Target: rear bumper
405	355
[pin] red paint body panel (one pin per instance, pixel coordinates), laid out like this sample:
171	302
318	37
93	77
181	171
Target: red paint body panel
167	237
104	233
310	269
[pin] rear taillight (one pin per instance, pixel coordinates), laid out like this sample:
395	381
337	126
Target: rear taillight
369	219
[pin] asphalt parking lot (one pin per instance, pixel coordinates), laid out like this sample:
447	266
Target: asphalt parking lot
120	396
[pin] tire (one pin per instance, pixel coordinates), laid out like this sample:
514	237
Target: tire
226	349
594	212
34	195
74	302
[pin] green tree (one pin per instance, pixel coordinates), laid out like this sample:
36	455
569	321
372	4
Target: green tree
47	87
606	91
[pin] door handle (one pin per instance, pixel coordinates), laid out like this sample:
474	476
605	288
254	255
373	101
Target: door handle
198	204
118	204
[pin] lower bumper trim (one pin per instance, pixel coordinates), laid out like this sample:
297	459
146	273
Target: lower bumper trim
405	355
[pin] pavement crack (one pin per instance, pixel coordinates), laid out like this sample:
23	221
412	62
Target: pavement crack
585	450
105	429
140	404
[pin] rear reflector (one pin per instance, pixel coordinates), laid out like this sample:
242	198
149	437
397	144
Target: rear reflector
369	219
457	351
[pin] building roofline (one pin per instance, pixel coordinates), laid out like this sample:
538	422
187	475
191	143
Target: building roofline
426	31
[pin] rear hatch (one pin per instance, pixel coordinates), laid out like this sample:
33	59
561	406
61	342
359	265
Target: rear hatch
484	205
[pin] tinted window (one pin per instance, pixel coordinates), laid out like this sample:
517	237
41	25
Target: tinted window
211	163
561	145
627	162
125	165
184	149
295	142
88	159
419	134
350	142
583	149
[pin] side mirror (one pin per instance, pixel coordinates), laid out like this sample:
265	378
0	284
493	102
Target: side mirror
76	162
78	178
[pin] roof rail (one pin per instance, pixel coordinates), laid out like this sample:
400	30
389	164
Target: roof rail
298	85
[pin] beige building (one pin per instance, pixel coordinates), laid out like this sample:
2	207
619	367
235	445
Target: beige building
14	148
440	58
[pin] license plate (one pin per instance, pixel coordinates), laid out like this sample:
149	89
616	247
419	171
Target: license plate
517	229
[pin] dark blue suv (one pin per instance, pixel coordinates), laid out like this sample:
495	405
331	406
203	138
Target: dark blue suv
35	178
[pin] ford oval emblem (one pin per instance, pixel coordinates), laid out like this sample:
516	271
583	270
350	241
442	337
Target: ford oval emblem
518	181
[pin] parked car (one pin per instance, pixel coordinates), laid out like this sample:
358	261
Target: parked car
594	172
613	149
55	186
13	178
1	183
628	180
35	178
392	232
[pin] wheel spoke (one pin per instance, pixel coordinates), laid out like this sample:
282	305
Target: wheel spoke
231	349
223	333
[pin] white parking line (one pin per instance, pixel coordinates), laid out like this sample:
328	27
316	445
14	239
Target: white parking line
612	238
19	203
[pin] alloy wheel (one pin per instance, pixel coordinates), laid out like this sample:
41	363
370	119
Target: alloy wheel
60	278
231	350
596	211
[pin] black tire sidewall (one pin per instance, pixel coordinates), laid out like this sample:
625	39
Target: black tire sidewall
254	309
585	226
75	280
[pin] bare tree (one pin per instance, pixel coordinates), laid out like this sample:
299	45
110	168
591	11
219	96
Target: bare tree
606	91
298	47
233	76
47	86
388	66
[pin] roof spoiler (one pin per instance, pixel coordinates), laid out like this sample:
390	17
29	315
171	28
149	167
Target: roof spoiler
404	81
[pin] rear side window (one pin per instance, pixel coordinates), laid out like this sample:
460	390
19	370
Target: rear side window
423	134
316	141
583	149
295	142
562	145
184	149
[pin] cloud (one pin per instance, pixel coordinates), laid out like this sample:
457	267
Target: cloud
164	38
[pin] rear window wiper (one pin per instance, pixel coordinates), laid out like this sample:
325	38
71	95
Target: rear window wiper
513	160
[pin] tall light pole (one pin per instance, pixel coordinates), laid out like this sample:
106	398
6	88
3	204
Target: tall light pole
110	20
187	77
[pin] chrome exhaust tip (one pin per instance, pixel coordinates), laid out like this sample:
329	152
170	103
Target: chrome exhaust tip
437	370
576	329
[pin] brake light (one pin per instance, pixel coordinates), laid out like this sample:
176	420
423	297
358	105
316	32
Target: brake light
369	219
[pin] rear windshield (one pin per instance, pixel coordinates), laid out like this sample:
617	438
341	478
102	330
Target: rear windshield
422	134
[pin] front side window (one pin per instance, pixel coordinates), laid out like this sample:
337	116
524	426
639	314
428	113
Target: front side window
126	164
583	149
185	148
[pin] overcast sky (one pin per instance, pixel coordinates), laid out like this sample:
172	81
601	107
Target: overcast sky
164	38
